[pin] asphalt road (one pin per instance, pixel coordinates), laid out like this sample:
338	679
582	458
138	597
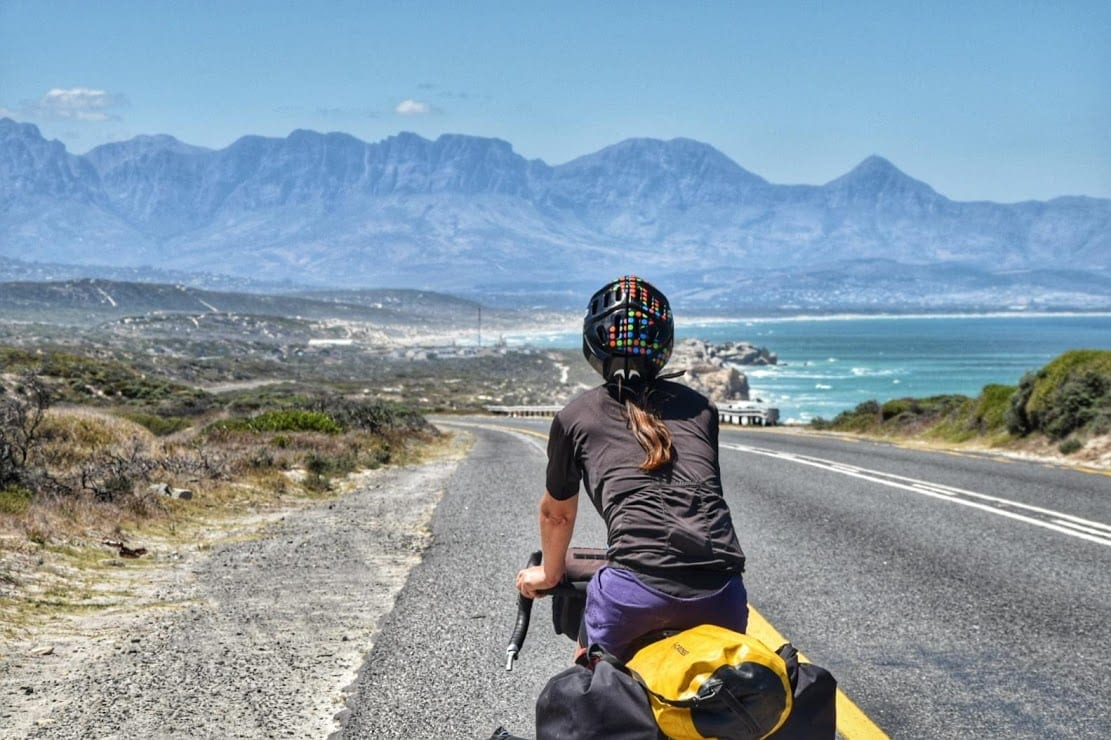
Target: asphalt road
951	596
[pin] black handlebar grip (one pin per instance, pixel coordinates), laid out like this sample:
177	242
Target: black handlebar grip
524	613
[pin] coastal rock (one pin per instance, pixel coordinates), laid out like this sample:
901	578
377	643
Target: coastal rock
712	370
732	353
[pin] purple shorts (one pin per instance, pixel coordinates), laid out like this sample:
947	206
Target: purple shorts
620	609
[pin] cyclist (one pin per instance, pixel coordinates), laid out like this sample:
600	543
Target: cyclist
645	449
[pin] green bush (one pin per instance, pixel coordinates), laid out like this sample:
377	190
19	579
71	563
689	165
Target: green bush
898	407
992	406
14	500
1055	374
289	420
322	468
1069	394
1070	446
864	417
1076	403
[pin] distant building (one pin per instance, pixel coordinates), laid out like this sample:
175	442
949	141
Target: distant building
748	414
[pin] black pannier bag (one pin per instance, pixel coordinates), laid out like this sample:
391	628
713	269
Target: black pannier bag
814	714
604	704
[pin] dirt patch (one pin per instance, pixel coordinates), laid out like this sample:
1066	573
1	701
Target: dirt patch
254	637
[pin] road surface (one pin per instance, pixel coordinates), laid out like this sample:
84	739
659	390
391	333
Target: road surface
951	595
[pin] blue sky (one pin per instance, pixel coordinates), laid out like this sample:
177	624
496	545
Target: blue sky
1000	101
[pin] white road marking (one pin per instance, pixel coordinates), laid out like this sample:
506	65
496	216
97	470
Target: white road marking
1057	521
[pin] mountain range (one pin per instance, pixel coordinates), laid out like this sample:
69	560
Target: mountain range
467	215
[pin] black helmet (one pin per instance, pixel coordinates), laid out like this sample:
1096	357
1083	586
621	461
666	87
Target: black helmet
628	331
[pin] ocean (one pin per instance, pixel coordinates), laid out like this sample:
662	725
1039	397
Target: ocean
829	365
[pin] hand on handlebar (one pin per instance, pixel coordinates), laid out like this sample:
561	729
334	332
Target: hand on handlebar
533	582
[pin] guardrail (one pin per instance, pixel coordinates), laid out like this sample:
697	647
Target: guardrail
728	413
523	410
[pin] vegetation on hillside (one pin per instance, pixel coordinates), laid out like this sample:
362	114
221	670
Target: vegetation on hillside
1067	402
86	440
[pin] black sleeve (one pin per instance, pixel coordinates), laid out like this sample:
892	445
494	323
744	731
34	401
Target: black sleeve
563	474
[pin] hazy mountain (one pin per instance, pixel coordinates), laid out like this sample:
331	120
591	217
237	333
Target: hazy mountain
470	216
92	301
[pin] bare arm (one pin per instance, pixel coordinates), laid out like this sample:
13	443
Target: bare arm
557	523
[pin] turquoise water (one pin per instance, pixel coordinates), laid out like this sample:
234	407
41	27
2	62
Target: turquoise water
830	365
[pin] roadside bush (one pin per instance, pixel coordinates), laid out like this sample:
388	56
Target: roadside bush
992	407
1069	394
1076	404
897	407
291	420
1070	446
1015	417
865	416
372	415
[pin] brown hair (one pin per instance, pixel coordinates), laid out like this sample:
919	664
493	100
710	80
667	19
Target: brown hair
650	431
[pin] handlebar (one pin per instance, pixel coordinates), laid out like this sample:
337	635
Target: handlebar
524	609
524	613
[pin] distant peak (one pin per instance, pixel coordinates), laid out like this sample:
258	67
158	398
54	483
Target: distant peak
165	141
874	173
674	154
661	145
9	125
145	144
305	135
875	164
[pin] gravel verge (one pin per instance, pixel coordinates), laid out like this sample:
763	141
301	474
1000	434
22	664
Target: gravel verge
255	639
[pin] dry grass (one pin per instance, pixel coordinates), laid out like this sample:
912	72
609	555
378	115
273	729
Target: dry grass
55	562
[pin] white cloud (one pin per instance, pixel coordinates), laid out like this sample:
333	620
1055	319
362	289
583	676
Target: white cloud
77	104
410	107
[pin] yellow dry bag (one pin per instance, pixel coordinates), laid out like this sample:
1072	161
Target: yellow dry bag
712	682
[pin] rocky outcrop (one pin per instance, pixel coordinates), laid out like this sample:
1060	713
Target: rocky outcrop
712	368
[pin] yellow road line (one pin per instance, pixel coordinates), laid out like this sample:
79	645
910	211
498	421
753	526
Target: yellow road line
852	722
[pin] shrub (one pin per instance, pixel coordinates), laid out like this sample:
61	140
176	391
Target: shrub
1069	446
291	420
371	415
22	412
1076	403
864	417
1015	417
992	407
14	499
897	407
320	470
1055	374
1071	393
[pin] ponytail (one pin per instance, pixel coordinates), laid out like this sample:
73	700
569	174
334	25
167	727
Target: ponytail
650	431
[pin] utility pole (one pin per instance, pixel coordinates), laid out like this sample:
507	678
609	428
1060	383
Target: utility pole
480	326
